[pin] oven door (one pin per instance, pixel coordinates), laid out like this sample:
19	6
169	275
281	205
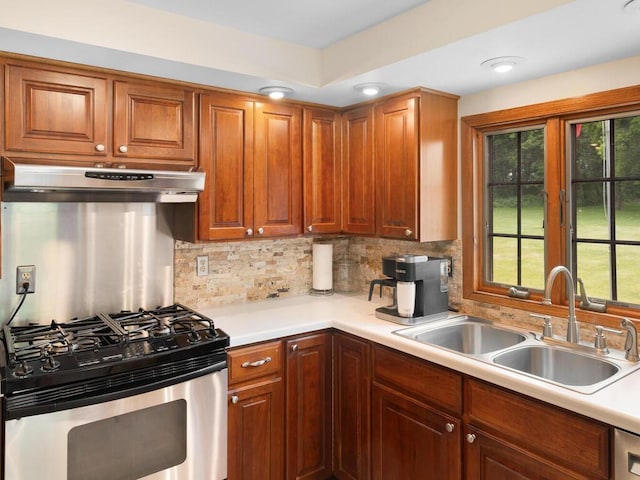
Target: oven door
177	432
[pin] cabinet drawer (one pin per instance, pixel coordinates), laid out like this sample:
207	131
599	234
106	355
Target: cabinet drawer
565	438
421	379
253	362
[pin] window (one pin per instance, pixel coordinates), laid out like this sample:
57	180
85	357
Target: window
550	184
605	193
514	208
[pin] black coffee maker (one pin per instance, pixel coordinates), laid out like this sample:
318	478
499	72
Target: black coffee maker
429	277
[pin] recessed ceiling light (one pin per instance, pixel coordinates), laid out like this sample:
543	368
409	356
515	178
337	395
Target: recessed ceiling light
276	93
501	64
369	89
632	6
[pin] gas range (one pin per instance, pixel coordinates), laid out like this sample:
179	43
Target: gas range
91	359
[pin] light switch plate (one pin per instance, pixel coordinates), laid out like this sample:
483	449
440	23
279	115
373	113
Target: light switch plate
202	265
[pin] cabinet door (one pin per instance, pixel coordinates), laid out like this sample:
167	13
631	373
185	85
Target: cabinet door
226	156
322	171
358	193
308	415
56	112
256	436
396	134
411	440
488	458
277	170
155	122
352	407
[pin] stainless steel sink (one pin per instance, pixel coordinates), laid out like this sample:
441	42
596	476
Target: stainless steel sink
558	365
468	335
575	367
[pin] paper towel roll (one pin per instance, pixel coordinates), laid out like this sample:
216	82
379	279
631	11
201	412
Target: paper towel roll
322	266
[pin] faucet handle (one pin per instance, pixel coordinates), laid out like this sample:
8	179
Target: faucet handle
600	341
547	329
586	303
631	344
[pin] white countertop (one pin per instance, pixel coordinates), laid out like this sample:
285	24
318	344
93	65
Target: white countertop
617	404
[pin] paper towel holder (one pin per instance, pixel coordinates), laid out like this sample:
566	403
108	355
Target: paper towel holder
322	269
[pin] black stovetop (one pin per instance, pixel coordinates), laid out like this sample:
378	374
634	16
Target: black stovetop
41	356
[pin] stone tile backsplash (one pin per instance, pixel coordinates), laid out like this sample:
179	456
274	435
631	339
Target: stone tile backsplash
255	270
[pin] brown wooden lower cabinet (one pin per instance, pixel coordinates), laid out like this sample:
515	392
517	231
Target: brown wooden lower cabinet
352	407
412	440
256	440
489	458
308	412
395	417
256	413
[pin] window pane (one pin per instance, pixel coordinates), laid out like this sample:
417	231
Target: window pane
627	269
592	214
594	269
627	146
532	169
628	211
505	261
504	208
589	151
503	152
533	263
532	214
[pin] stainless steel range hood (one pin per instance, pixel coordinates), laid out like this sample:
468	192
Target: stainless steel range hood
24	182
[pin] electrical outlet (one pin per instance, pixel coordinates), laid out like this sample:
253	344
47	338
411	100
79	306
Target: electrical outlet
26	274
202	266
449	266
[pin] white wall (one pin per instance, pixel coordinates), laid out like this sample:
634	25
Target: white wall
597	78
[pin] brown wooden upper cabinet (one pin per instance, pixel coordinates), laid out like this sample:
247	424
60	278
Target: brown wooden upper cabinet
61	115
252	155
416	166
359	176
322	169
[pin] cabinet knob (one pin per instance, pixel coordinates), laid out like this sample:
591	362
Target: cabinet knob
249	231
260	231
123	149
310	228
449	427
408	232
294	347
471	437
100	147
234	399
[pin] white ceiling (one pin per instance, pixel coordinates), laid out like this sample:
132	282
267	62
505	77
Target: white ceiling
322	49
312	23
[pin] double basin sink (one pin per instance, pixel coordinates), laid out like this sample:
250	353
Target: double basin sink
523	352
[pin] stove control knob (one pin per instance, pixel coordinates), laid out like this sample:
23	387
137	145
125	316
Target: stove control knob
50	364
23	370
194	337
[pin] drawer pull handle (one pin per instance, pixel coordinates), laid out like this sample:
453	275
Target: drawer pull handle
257	363
449	427
471	437
294	347
234	399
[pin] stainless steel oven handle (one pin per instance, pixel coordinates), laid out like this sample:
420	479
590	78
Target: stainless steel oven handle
257	363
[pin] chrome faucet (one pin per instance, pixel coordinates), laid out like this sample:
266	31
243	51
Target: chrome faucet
631	344
573	334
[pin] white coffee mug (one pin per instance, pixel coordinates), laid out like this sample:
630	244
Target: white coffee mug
406	292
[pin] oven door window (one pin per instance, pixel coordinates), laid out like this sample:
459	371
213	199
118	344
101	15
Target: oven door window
129	446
